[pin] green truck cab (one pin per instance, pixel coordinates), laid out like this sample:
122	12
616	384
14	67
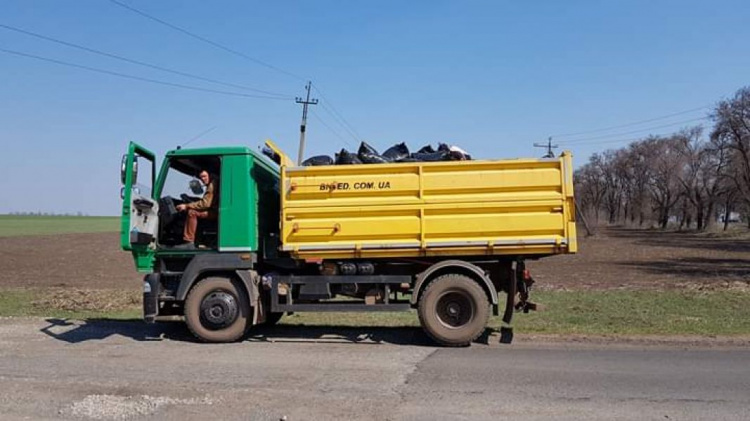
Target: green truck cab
150	223
227	248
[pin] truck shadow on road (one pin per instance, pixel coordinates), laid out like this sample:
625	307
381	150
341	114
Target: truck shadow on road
79	331
341	334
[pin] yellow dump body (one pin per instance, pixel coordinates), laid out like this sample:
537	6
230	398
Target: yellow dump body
457	208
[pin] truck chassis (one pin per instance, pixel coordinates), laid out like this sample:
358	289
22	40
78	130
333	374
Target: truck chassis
223	295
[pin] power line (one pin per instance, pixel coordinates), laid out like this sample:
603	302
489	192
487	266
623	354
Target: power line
635	123
340	123
206	40
619	140
140	63
199	135
142	79
335	133
609	141
568	142
338	115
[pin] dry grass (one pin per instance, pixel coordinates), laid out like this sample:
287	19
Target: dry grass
87	300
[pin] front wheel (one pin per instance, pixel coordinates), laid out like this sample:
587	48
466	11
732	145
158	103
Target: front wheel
454	310
217	310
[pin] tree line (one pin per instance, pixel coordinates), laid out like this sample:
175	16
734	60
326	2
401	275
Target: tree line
691	178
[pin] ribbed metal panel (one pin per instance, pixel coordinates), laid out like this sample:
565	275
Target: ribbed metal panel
416	209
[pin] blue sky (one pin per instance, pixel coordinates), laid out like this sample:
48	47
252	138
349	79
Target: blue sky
491	76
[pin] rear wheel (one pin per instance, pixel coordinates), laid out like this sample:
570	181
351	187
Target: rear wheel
217	310
454	310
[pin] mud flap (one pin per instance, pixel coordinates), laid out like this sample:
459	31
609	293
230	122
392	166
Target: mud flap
520	288
151	290
506	330
250	280
506	334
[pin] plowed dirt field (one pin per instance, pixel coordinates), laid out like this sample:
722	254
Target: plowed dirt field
612	259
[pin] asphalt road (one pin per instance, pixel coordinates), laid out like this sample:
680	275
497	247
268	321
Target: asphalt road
104	370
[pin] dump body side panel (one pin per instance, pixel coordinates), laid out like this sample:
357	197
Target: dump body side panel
504	207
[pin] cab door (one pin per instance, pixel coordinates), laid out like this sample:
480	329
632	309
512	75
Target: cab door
140	222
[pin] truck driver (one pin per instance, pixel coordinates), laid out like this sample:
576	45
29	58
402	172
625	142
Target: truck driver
205	208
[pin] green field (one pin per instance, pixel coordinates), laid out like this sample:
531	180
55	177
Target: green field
22	225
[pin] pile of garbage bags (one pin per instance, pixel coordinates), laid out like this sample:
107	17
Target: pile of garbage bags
396	153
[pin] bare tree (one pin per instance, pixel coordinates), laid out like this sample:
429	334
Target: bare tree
607	166
589	187
699	178
639	174
732	118
682	175
663	185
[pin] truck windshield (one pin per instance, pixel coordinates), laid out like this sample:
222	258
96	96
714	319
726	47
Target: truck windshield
177	184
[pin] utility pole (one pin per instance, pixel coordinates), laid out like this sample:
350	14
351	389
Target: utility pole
302	126
549	147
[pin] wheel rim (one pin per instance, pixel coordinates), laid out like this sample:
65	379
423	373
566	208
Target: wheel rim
219	309
455	309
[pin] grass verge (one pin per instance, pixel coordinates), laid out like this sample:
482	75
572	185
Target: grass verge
20	225
70	304
595	313
567	312
724	312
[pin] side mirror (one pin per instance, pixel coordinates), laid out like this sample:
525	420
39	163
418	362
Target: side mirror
196	187
123	170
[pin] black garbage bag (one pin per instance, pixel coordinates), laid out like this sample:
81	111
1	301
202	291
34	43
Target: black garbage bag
369	155
396	152
365	147
366	158
426	149
432	156
458	154
317	160
346	158
455	153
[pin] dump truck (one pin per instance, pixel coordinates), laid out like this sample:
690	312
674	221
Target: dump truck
447	239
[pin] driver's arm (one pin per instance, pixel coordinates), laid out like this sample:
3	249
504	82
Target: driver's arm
207	200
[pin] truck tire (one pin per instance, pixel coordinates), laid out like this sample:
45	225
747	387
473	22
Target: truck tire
454	310
217	310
